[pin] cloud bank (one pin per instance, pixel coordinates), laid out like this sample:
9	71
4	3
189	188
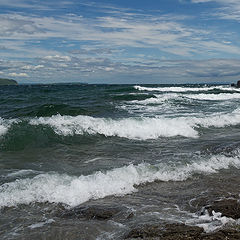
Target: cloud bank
108	43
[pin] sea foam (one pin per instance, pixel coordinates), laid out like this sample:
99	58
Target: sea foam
157	99
137	128
211	223
214	97
185	89
160	98
132	128
73	190
5	125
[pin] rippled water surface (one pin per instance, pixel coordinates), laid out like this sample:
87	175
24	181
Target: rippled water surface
152	150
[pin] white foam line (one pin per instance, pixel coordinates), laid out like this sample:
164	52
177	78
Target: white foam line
185	89
71	190
214	97
136	128
158	99
141	128
132	128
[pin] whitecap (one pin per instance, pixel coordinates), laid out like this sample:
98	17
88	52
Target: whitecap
185	89
214	97
5	124
73	190
132	128
142	128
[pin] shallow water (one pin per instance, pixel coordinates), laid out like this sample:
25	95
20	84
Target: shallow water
154	151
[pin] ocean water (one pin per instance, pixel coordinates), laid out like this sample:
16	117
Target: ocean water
155	151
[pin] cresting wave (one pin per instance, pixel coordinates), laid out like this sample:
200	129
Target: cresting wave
157	99
161	98
141	128
214	97
132	128
72	190
137	128
5	125
185	89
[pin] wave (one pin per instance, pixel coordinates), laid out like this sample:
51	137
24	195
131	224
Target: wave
214	97
141	128
161	98
132	96
185	89
220	120
157	99
5	125
73	190
47	110
132	128
137	128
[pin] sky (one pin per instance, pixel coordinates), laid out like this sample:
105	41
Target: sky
120	41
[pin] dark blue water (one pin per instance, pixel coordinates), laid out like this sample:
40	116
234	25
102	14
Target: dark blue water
149	149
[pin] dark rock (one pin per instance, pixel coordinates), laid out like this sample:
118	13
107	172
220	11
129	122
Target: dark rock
180	232
238	84
91	212
226	234
228	208
166	232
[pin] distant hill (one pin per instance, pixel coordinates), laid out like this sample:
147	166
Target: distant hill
5	81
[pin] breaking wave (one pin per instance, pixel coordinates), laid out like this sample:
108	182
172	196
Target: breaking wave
160	98
141	128
185	89
132	128
5	125
136	128
73	190
214	97
157	99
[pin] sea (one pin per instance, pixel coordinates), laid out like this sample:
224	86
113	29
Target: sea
151	153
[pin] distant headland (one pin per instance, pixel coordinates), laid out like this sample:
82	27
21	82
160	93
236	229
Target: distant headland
5	81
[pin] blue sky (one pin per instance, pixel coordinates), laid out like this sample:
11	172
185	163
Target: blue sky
120	41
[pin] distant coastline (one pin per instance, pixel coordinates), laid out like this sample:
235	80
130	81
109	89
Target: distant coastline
5	81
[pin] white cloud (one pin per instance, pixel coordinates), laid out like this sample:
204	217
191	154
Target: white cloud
142	31
58	58
121	41
148	70
108	69
18	74
31	67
